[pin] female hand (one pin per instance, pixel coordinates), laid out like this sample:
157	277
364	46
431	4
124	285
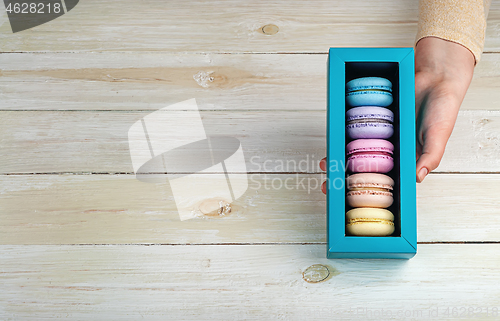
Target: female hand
443	72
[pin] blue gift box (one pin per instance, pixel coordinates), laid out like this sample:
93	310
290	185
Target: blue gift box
397	65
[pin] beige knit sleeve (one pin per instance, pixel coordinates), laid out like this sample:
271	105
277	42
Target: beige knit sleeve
460	21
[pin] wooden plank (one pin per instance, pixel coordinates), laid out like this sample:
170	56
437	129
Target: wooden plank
473	145
109	209
455	207
246	282
98	141
483	93
277	208
227	26
80	141
150	81
218	26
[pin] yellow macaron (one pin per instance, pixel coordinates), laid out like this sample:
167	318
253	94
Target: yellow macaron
367	221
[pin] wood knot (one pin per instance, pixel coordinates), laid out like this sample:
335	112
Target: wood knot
204	78
215	208
318	273
210	79
270	29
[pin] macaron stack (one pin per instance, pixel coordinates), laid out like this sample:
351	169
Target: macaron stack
369	126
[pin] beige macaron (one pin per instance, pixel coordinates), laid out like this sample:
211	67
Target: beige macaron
370	190
367	221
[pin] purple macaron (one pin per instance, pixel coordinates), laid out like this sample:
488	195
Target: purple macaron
369	122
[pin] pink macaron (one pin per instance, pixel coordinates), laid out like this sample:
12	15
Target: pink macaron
370	156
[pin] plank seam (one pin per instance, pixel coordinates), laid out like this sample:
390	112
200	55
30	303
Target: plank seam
187	52
177	110
213	173
243	243
175	52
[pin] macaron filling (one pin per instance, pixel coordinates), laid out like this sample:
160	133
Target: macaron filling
369	120
369	194
369	92
375	186
369	220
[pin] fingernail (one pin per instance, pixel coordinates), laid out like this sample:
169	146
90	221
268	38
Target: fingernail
422	173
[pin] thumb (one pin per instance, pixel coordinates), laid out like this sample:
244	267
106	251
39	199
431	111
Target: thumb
432	153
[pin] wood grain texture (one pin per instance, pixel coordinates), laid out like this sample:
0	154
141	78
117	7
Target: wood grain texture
118	209
218	26
87	246
98	141
150	81
80	141
244	282
227	26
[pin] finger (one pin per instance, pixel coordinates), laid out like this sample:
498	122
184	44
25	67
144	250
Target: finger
323	187
419	151
432	153
322	164
423	84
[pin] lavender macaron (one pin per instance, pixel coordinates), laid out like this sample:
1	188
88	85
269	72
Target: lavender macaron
369	122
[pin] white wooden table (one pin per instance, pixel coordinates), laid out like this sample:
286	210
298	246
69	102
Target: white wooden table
82	239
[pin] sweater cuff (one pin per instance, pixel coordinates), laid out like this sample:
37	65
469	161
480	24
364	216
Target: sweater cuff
460	21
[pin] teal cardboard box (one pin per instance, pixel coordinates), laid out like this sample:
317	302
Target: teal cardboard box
397	65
